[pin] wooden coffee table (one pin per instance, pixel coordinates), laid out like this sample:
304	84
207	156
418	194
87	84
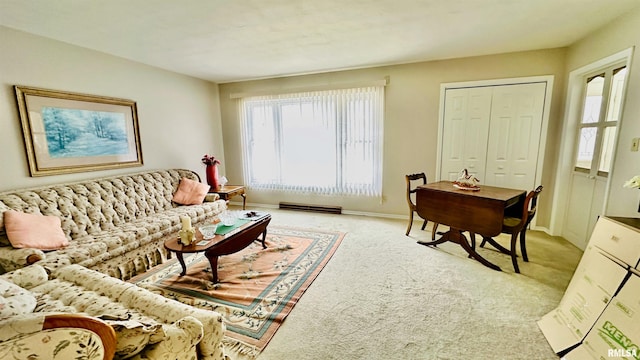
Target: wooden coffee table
219	245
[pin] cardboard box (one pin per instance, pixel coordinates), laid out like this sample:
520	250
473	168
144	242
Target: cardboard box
618	240
578	353
592	287
616	334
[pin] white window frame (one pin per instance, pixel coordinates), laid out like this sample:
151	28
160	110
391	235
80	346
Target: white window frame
601	124
373	96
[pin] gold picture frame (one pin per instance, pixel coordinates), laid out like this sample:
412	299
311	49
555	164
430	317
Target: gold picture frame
67	132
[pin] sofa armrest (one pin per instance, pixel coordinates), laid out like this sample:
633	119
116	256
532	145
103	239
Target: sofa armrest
211	197
172	311
27	277
177	318
12	258
49	335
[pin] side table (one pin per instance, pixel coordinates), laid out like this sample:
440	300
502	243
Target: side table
228	191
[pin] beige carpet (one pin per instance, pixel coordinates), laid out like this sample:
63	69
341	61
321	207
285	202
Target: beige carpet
382	296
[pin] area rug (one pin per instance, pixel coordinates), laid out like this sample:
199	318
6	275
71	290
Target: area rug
258	287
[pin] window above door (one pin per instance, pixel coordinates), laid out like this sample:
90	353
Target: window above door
602	102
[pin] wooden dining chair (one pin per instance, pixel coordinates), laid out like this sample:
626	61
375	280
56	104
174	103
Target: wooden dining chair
518	225
420	179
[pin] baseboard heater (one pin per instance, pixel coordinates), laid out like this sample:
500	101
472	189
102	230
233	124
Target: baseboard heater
314	208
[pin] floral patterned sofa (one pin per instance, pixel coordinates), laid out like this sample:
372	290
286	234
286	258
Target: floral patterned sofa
90	236
147	325
115	225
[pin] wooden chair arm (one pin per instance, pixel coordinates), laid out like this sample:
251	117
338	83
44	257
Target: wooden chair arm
102	329
33	258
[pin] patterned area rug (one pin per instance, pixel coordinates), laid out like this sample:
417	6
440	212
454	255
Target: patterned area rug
258	287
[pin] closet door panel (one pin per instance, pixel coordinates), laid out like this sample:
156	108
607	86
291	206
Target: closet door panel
465	131
493	132
514	135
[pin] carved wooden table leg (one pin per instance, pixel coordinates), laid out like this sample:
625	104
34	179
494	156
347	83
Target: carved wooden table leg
264	237
213	262
456	236
462	240
181	260
444	238
493	243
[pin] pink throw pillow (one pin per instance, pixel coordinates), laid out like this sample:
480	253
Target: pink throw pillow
34	231
190	192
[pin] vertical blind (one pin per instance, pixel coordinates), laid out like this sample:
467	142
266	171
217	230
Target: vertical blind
321	142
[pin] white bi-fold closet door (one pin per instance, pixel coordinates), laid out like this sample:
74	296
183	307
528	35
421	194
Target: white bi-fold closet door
494	132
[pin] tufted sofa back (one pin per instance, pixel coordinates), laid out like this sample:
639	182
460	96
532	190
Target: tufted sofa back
90	206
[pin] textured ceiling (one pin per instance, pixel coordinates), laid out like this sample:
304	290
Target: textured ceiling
232	40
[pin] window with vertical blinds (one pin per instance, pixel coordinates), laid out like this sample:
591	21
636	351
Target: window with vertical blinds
321	142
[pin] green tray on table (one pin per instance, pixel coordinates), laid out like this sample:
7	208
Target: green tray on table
223	230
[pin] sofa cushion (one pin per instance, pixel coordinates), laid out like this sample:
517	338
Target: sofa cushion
190	192
34	231
14	300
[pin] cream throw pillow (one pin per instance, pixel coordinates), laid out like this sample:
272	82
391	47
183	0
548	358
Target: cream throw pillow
34	231
190	192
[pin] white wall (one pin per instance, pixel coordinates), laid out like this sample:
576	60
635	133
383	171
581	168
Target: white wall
179	116
617	36
411	120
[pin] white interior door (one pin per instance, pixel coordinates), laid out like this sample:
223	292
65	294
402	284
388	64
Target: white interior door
514	135
465	133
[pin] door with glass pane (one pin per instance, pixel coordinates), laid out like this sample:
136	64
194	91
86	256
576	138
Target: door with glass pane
596	137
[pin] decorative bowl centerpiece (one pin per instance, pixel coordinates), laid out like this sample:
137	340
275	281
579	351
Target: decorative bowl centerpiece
228	218
208	231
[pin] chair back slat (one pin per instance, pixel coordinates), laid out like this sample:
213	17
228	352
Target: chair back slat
412	189
531	211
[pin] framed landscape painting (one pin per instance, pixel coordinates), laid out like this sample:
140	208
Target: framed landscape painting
68	132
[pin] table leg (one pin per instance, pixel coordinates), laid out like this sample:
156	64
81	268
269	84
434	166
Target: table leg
444	238
264	237
181	260
213	262
462	240
472	237
493	243
456	236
